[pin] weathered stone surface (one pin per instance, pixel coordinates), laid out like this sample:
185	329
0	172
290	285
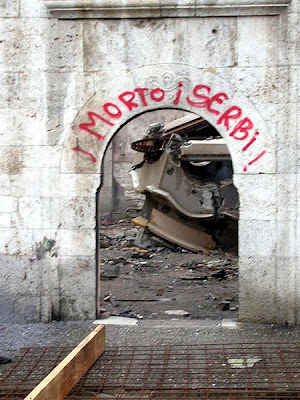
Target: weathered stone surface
9	8
257	195
11	160
81	212
77	296
262	49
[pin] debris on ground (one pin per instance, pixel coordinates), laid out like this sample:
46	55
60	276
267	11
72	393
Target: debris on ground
4	360
243	362
177	313
152	279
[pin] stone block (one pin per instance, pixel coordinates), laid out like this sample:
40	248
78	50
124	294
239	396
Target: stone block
22	127
33	9
34	182
48	182
262	49
9	90
257	194
5	184
269	113
65	47
293	37
33	213
5	220
257	237
288	238
19	309
287	121
69	90
172	36
42	156
8	204
81	212
24	46
77	275
287	197
84	184
21	276
31	90
77	242
24	242
294	82
288	156
267	289
263	84
9	8
11	160
176	8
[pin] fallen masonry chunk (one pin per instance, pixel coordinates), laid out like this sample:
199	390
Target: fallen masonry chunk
4	360
177	313
110	272
191	276
225	305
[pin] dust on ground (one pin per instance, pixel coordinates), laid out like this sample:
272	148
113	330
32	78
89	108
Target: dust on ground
138	282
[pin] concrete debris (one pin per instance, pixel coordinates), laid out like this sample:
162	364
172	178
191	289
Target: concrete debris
177	232
186	174
130	314
210	297
110	272
132	277
192	276
243	362
177	313
4	360
225	305
113	320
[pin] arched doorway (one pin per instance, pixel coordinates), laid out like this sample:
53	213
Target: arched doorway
220	103
179	255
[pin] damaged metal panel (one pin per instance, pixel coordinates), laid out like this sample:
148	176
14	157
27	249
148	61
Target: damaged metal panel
171	184
185	167
179	233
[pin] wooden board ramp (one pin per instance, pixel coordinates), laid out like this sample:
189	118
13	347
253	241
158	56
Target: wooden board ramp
61	380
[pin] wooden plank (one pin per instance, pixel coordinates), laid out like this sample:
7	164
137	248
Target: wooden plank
68	372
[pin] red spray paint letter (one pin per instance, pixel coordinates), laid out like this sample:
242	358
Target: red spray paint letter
242	127
142	94
78	149
218	98
85	126
178	94
112	110
204	100
157	95
254	160
127	99
233	112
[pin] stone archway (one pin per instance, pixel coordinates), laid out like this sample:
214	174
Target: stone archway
119	99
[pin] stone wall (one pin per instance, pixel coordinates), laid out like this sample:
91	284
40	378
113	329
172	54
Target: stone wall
60	62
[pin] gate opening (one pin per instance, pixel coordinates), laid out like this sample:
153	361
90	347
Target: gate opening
168	235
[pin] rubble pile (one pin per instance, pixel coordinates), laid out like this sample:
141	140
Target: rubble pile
159	280
185	171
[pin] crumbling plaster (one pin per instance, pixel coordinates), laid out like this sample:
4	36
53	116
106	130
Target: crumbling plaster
53	70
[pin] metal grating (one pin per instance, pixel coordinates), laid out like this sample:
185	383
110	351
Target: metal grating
207	371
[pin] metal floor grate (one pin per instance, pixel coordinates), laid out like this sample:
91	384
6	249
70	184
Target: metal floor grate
207	371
